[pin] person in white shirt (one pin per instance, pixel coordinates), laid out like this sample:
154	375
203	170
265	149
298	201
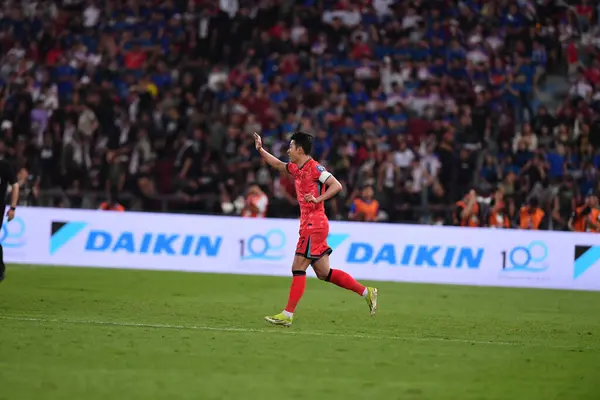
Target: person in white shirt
298	30
382	7
91	15
404	156
526	136
229	7
581	88
411	19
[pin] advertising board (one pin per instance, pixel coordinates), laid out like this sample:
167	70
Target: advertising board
391	252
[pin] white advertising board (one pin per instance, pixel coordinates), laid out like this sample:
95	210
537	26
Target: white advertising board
391	252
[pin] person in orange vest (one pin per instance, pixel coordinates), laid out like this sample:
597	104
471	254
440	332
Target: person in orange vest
468	211
587	217
498	217
112	204
365	208
257	203
532	217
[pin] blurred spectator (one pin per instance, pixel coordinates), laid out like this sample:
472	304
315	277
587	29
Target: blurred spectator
257	203
365	208
420	100
28	188
498	213
112	203
468	211
564	204
532	217
587	217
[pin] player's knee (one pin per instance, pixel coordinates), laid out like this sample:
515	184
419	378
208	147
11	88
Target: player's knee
322	275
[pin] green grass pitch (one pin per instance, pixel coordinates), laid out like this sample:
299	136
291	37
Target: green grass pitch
77	333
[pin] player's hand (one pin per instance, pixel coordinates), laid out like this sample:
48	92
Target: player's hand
257	141
309	198
10	215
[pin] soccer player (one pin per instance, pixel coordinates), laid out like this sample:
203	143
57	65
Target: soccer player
7	177
310	179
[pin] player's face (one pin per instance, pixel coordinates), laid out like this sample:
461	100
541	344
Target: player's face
293	151
593	201
368	193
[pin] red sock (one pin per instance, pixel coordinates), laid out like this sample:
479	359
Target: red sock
342	279
296	290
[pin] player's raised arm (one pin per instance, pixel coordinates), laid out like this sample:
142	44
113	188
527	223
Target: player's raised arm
269	158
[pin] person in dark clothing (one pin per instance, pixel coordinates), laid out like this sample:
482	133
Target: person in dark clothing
112	203
7	177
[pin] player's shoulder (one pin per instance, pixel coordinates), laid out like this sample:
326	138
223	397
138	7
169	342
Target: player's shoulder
319	167
291	168
315	166
320	172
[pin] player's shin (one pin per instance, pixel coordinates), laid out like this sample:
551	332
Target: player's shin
346	281
296	292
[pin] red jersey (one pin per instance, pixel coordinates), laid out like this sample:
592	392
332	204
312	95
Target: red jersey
310	179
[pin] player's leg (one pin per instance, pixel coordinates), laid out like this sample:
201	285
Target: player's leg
346	281
299	267
338	277
320	251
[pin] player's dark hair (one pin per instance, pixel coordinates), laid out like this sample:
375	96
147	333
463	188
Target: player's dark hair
304	140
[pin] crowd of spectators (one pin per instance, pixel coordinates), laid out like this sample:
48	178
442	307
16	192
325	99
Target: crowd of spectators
417	100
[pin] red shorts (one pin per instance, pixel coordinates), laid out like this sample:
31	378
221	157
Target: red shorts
312	244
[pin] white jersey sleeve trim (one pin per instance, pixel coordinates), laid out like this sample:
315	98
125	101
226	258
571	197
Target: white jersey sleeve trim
324	176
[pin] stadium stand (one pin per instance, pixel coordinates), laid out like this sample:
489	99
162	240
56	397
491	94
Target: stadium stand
155	101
